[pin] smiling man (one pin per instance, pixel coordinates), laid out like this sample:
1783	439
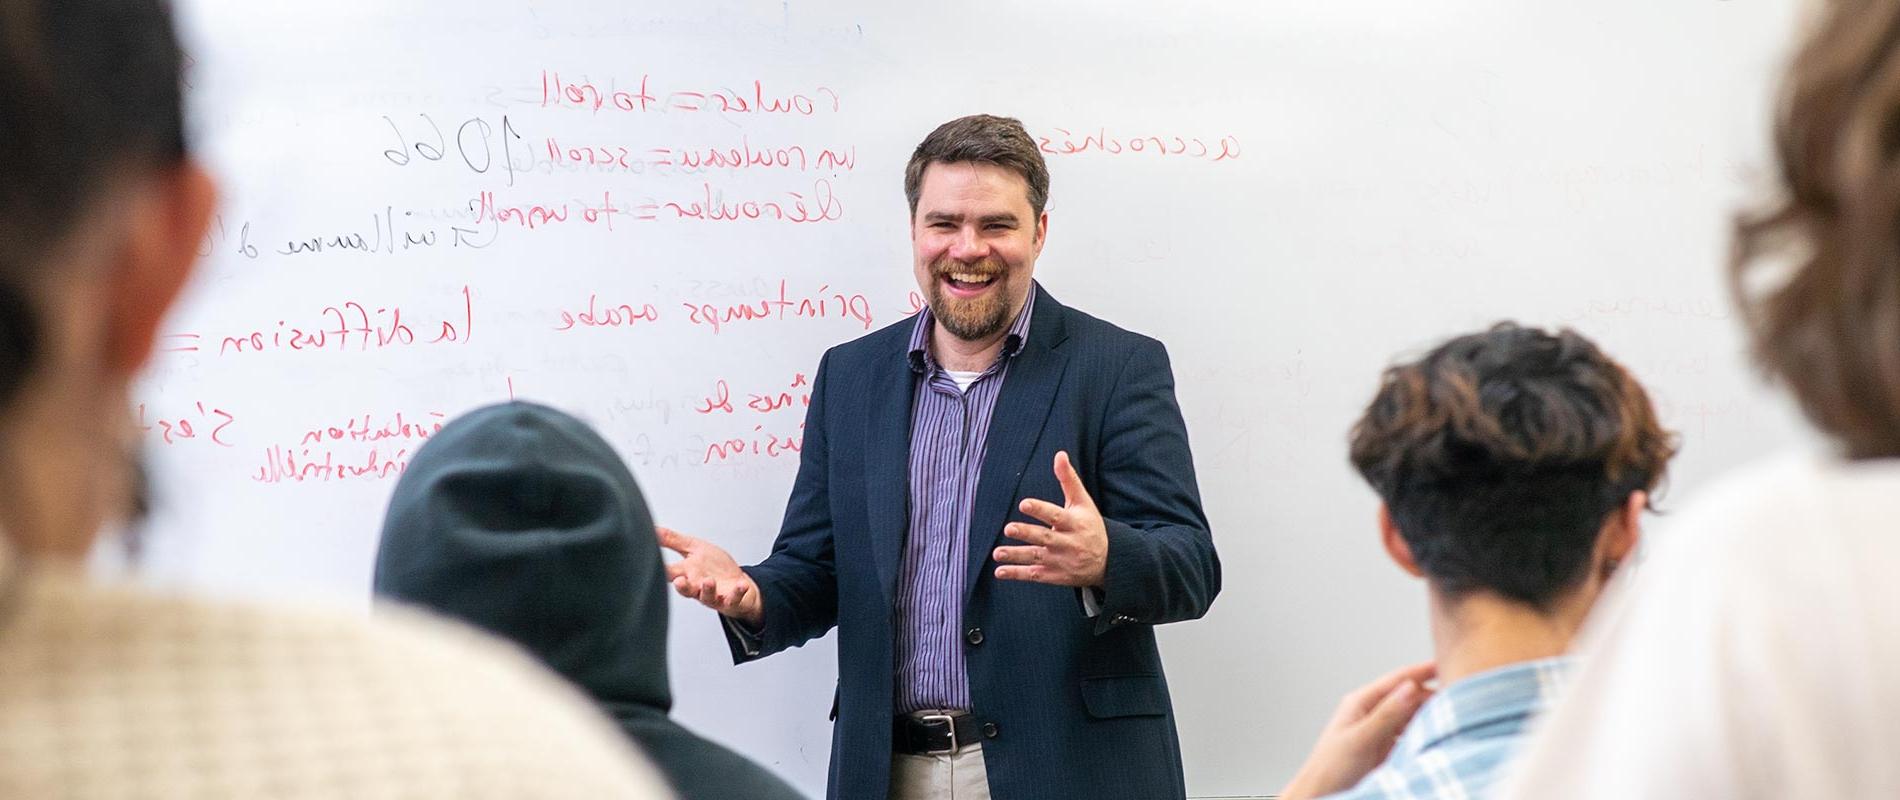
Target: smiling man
995	505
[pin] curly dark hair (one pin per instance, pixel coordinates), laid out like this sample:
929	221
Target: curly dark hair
1501	454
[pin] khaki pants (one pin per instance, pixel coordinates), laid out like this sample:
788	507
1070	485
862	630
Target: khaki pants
949	776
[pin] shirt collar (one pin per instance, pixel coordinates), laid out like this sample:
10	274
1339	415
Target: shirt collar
922	361
1516	691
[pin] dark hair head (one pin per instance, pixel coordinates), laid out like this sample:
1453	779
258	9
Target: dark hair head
1817	275
1501	454
982	139
88	91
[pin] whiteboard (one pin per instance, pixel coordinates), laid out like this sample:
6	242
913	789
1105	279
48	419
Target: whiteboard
433	206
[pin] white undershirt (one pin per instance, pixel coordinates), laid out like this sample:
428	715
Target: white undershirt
963	379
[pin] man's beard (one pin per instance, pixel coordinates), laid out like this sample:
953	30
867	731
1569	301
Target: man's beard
976	318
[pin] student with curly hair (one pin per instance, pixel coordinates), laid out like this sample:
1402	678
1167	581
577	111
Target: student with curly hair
1513	466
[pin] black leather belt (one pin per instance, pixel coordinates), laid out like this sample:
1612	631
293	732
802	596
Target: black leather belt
933	734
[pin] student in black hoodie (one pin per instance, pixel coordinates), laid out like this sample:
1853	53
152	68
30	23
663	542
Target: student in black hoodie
521	520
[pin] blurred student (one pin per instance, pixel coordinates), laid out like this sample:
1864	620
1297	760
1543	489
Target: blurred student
1754	654
521	520
1514	466
112	691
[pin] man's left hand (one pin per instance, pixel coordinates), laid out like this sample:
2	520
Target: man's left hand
1069	549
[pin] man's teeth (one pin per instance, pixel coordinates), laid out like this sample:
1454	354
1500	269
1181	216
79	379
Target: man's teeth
964	277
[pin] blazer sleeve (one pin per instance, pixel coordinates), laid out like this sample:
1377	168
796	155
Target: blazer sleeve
798	583
1161	561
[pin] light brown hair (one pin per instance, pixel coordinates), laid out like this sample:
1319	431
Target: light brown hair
1817	274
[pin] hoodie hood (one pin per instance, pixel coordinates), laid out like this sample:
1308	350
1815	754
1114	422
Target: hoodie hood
521	520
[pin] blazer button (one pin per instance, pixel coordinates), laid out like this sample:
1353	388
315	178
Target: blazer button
974	636
990	731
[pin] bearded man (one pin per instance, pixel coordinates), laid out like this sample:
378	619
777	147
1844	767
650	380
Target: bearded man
995	505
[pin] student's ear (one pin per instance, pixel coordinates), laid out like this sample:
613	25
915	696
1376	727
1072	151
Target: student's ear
1622	533
166	230
1395	545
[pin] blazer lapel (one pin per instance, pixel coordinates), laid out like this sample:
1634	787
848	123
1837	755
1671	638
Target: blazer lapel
1029	390
887	464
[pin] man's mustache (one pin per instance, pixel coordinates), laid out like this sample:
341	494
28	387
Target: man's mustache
942	267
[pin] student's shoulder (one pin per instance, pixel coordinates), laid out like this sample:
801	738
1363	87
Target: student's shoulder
303	690
700	767
1782	480
1744	520
467	680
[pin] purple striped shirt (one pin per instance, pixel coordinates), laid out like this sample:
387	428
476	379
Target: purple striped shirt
949	431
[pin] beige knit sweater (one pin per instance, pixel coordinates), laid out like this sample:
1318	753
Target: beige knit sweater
117	692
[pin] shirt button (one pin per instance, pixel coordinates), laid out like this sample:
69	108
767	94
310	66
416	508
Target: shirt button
1122	619
974	636
990	731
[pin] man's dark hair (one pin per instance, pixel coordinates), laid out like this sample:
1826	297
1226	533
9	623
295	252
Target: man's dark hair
89	91
1501	454
981	139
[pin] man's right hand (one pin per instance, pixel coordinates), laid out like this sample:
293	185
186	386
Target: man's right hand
708	574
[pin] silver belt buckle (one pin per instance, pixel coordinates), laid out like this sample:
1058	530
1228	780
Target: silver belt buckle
950	723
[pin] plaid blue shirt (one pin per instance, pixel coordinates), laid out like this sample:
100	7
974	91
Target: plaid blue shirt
1460	741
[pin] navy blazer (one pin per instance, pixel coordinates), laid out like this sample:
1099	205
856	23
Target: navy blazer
1072	707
